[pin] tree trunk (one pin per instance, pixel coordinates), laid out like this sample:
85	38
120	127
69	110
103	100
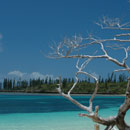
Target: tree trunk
96	126
120	122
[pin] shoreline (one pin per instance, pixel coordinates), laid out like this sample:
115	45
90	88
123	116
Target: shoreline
56	94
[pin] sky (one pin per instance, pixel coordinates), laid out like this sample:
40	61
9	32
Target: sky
29	27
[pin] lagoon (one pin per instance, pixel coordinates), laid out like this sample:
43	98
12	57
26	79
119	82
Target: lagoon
46	112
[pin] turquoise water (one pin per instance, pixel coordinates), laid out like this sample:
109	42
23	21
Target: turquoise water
41	112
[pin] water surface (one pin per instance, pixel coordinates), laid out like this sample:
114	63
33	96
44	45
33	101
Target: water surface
43	112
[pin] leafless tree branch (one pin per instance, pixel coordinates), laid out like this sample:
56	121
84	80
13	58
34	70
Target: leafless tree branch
69	48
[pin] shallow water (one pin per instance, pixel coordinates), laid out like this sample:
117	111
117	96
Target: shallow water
42	112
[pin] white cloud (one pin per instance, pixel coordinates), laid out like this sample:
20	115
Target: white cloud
26	76
36	75
17	73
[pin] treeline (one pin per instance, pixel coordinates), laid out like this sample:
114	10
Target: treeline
110	85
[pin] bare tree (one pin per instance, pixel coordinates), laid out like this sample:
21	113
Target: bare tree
77	48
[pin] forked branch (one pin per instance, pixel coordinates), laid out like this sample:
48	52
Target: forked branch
70	48
91	114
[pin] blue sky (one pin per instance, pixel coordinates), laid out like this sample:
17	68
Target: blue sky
27	27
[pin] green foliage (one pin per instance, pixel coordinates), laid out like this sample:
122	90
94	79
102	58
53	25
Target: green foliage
109	85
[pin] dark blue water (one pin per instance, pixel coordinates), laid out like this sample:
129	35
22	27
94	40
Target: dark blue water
45	104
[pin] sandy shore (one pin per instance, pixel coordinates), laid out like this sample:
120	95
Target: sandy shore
56	94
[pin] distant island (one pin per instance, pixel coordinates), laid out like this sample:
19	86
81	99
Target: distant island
110	85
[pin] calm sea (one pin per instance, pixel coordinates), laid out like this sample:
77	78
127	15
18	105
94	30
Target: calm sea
42	112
